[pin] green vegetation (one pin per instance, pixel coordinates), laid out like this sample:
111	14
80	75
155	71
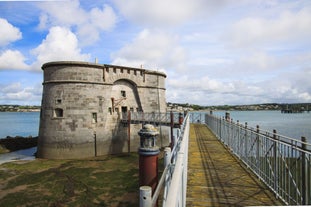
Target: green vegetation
17	108
295	107
102	181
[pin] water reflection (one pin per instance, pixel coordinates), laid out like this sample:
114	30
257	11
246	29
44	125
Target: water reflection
25	154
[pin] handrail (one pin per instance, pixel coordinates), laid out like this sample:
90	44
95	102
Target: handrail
178	187
282	163
152	117
283	139
160	184
174	176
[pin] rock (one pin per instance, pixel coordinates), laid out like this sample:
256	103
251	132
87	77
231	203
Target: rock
18	143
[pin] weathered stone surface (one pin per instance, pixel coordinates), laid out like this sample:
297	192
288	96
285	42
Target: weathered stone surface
82	104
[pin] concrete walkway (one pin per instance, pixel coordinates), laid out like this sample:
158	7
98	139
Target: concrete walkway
216	178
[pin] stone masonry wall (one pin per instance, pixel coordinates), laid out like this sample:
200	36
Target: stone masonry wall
82	104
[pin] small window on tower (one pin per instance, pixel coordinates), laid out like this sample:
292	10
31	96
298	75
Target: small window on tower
58	113
94	118
58	101
123	93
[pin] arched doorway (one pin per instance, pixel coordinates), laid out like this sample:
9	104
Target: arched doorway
125	97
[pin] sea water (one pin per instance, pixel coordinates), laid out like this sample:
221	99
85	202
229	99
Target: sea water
19	124
291	125
294	125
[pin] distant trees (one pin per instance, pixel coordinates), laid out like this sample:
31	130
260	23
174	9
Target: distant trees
15	108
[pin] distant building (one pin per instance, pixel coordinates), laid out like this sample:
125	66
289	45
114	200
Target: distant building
82	104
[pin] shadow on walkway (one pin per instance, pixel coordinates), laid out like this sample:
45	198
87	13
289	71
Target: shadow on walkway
217	178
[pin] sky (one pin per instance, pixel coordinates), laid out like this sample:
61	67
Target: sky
214	52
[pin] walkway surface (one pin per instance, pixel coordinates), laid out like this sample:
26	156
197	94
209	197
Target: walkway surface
216	178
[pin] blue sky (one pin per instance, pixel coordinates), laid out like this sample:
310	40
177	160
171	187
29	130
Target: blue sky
213	52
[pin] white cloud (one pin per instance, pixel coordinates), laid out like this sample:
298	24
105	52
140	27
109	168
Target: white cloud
11	88
259	30
65	13
8	33
16	92
288	87
59	44
152	49
12	59
163	12
104	18
70	14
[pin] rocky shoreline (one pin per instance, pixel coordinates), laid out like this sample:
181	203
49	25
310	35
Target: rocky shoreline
10	144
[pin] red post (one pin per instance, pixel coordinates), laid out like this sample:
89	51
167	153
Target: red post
148	171
180	119
227	116
129	131
148	157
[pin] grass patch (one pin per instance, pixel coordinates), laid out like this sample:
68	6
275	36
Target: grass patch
104	181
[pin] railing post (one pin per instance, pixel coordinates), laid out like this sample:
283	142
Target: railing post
167	161
275	163
257	150
246	143
219	128
180	119
304	172
167	156
239	138
145	193
172	127
227	116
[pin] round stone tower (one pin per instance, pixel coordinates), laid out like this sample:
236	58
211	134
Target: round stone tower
82	104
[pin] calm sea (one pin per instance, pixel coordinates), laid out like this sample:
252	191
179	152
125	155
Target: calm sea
293	125
19	124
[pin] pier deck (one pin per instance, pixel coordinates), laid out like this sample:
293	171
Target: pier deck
216	178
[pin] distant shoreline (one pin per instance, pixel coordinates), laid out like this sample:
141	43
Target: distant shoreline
19	108
24	110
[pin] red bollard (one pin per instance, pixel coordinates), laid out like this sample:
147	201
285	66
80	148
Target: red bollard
148	171
148	157
180	119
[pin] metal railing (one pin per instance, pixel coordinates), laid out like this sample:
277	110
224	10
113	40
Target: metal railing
152	118
282	163
173	181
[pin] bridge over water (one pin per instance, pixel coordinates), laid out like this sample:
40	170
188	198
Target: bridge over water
216	162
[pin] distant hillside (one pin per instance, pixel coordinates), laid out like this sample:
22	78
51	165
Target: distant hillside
294	107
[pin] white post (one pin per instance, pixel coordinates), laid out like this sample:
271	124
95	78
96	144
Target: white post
167	162
145	199
167	156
